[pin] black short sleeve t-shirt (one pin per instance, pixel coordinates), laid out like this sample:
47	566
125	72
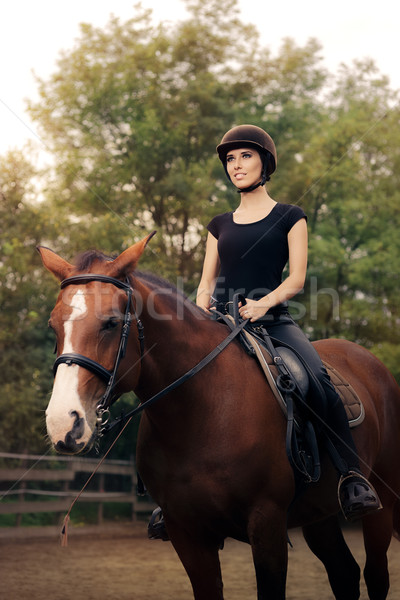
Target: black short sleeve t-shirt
253	255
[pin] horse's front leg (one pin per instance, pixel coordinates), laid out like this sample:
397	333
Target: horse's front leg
268	538
200	559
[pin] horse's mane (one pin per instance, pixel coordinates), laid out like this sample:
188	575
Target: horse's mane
156	281
85	260
175	298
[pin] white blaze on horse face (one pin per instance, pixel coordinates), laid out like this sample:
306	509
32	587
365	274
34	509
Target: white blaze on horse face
65	403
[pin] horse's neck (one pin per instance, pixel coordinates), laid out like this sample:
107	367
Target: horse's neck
177	337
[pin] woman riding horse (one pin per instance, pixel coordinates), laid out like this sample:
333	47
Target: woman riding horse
246	252
212	451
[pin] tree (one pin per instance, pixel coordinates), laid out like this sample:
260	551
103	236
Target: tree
350	173
134	112
25	299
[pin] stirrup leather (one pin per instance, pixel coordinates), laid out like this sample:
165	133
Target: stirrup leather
357	497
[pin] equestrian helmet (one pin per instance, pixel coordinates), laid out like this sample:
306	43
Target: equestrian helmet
249	136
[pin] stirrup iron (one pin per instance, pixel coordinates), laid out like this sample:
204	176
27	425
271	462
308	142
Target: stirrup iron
357	497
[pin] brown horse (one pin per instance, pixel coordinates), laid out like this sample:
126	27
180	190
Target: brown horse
212	451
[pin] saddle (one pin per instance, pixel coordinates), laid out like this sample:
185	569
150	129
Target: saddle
347	394
292	384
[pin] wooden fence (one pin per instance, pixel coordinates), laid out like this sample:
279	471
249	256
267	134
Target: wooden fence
37	484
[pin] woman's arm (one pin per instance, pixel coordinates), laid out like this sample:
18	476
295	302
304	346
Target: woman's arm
294	283
211	268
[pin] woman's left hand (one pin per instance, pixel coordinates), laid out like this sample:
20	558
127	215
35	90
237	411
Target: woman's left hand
253	309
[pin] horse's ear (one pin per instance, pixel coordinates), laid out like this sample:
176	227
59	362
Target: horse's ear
54	263
127	261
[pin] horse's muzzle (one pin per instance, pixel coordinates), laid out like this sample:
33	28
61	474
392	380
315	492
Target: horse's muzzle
70	444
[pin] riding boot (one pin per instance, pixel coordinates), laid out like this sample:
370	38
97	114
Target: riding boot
357	497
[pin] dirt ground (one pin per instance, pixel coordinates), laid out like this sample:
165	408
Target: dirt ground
121	563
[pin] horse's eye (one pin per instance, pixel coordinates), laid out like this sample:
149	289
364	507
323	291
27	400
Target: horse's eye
110	324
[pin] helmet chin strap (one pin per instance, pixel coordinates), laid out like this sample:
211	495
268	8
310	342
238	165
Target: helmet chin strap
250	188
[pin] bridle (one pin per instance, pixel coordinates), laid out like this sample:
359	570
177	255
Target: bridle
109	397
109	377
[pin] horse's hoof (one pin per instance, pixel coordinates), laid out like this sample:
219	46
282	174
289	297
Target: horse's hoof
357	497
156	529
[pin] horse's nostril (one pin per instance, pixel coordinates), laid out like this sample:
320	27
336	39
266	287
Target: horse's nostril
69	444
78	426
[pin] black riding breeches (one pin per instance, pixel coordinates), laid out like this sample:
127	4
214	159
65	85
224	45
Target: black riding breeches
284	329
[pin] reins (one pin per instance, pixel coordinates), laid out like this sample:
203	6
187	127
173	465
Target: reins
109	377
124	419
193	371
64	531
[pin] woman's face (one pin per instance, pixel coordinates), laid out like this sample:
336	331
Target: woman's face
244	167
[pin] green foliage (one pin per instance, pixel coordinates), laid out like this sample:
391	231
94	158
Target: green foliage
25	300
351	166
132	115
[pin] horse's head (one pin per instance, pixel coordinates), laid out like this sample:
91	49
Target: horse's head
89	318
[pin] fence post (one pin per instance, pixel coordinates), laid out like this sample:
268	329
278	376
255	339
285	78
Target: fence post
22	487
100	508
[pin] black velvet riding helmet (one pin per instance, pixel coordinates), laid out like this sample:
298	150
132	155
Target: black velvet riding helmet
250	136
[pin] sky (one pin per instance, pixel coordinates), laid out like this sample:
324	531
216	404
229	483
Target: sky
32	35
